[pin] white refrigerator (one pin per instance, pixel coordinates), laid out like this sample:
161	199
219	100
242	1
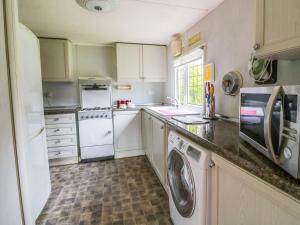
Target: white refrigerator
30	126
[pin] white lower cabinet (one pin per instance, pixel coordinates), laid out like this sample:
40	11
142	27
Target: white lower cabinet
61	141
128	134
240	198
147	135
62	138
154	144
62	152
158	148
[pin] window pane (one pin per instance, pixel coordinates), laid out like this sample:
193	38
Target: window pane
195	83
180	84
189	80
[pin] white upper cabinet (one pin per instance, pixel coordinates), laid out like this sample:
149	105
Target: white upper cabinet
128	62
154	63
278	28
136	62
56	60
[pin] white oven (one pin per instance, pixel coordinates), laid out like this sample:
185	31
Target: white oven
95	119
95	135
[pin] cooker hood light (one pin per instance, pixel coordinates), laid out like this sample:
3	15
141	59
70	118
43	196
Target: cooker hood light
98	5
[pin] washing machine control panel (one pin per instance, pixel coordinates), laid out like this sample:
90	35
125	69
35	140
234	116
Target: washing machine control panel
175	142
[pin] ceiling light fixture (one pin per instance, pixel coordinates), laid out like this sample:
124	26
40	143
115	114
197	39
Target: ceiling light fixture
98	5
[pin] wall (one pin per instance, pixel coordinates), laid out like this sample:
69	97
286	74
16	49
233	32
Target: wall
142	93
229	33
99	61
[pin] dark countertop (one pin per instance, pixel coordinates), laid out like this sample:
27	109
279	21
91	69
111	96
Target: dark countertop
222	138
60	110
137	107
126	110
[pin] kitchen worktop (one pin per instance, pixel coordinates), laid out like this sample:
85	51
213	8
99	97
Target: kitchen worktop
60	109
222	138
127	109
138	107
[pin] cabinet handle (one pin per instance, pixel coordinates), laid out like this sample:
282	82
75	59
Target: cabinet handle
149	118
256	46
211	164
59	153
57	142
57	130
162	127
56	119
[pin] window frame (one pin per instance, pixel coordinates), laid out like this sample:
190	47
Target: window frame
186	69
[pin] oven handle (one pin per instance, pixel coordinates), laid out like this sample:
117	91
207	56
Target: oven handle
268	119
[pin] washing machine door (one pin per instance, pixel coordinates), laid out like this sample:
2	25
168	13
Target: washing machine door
181	182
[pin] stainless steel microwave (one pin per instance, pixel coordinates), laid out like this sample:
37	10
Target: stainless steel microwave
270	121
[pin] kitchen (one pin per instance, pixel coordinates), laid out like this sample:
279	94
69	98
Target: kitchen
187	130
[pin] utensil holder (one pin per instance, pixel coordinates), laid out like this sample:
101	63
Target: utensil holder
210	110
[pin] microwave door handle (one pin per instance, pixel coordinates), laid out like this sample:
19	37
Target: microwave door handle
268	122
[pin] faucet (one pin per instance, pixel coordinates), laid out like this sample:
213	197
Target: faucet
173	101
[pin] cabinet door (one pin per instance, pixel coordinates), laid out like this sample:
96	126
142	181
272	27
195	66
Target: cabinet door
56	59
128	62
241	198
127	131
147	135
154	63
158	148
278	27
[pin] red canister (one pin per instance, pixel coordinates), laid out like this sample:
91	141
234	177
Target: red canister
118	103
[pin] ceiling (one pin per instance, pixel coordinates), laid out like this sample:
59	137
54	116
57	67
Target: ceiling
136	21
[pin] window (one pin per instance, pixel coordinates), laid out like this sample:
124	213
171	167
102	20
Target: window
189	79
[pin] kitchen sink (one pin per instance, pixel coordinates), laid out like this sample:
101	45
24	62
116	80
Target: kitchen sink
171	111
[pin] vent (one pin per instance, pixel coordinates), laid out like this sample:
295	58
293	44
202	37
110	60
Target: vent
98	6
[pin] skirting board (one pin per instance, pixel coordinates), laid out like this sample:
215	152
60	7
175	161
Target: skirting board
63	161
131	153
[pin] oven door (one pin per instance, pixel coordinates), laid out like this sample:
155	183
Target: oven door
95	132
261	119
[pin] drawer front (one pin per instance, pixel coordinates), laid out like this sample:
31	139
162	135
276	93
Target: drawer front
60	118
62	152
60	129
61	141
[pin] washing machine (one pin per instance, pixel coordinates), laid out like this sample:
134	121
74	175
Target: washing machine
188	181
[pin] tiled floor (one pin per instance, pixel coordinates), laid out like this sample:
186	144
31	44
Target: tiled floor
116	192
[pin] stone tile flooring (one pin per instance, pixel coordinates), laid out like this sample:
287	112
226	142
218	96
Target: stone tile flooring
115	192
